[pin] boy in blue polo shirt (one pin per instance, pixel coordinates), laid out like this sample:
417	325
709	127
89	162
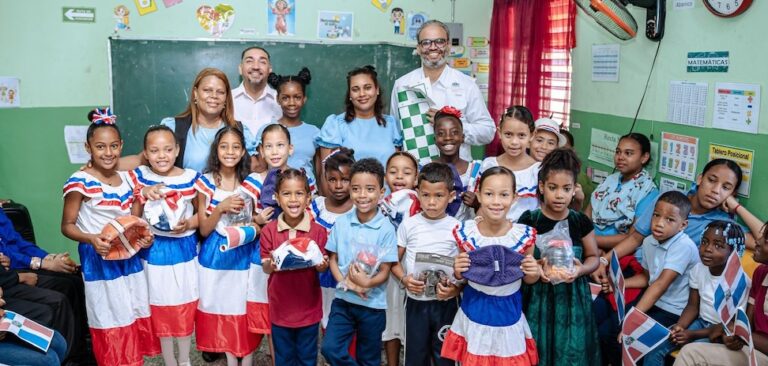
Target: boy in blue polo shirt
668	255
360	309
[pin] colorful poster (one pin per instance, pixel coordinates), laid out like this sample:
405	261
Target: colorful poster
170	3
415	20
216	20
602	146
397	17
122	21
335	25
745	158
737	107
480	52
281	18
9	92
145	6
381	4
708	61
679	155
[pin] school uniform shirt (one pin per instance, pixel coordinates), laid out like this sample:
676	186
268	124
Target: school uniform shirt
254	113
199	144
365	136
678	254
294	296
346	237
614	203
460	91
304	146
418	234
696	222
703	281
758	299
526	182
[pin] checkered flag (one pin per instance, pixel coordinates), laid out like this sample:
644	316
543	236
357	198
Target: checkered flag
418	133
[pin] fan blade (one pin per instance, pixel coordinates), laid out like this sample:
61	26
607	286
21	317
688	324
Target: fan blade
598	5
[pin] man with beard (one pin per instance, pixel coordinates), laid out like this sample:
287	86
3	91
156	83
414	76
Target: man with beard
255	101
449	87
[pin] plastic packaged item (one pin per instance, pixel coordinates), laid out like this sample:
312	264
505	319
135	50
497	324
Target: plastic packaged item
242	218
432	269
297	253
556	249
164	214
367	258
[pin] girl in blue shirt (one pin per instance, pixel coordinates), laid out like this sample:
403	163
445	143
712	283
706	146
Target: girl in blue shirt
291	95
362	127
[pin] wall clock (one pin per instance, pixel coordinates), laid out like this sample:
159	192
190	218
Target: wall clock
727	8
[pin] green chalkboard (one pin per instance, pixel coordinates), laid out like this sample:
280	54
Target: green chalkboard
151	79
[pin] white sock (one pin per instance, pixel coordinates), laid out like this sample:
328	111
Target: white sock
166	345
247	360
231	359
185	344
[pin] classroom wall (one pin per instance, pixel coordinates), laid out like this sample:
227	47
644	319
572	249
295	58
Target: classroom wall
611	106
64	73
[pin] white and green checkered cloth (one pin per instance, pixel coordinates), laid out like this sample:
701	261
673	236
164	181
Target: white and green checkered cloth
418	133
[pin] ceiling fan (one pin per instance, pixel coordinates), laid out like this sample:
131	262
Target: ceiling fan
616	19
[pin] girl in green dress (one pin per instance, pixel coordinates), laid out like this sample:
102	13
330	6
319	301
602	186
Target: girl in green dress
560	316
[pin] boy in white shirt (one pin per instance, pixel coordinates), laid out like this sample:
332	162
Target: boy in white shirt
432	300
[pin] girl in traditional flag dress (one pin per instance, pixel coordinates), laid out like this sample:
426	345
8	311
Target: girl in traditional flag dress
221	321
116	293
164	197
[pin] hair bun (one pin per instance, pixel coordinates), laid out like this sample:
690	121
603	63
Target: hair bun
370	68
273	80
304	76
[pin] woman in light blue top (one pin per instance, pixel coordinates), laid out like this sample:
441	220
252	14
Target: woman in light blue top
210	108
614	202
291	96
362	127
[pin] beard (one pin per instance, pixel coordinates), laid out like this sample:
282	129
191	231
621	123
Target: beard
433	64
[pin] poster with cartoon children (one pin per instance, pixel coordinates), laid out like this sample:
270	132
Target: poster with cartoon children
9	92
122	22
281	17
335	25
398	20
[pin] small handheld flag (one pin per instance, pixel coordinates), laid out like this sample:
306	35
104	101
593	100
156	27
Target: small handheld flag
27	330
617	279
640	334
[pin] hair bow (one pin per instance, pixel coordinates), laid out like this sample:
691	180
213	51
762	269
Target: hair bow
104	116
334	152
451	111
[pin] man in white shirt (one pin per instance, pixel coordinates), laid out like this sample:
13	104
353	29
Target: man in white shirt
254	100
449	87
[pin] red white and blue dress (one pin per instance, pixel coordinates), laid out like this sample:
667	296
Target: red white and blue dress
116	295
171	261
221	323
257	301
490	327
326	219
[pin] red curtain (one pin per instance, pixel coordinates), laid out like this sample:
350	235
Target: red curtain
530	61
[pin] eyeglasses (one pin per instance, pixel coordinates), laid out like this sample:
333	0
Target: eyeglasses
439	42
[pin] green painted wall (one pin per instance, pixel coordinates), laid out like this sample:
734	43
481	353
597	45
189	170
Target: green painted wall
64	72
611	106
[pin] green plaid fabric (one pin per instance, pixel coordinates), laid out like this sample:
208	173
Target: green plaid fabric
418	134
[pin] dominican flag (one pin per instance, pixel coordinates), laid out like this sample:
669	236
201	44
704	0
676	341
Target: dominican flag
733	286
237	236
742	329
640	334
617	279
27	330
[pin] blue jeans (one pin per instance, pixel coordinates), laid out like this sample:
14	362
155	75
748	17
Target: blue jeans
347	320
657	355
16	352
295	346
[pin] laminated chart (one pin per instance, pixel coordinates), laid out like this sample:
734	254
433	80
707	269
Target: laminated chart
413	103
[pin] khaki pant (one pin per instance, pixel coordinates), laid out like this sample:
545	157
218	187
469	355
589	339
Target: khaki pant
711	354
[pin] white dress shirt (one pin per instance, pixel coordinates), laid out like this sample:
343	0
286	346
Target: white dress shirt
255	113
460	91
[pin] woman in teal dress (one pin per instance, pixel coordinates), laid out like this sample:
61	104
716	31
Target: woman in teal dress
560	316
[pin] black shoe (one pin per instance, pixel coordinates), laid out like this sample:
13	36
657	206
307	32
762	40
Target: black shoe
211	356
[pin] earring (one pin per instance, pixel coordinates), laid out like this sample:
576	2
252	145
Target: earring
195	101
